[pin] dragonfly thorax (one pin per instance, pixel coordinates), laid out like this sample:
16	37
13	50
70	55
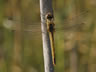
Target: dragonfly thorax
51	27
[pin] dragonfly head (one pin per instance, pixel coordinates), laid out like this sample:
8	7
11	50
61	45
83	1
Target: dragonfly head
49	16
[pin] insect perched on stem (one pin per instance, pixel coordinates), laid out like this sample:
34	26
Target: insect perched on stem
51	30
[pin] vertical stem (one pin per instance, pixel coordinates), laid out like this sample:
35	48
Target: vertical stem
73	61
16	15
45	7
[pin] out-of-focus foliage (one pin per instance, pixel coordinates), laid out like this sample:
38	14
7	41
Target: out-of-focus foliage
1	10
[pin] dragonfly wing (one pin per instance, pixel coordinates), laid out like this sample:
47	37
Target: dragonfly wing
74	24
67	25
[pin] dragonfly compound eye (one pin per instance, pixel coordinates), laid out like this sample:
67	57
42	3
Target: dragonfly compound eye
49	16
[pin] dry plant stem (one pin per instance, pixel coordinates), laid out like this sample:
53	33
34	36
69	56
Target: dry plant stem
45	7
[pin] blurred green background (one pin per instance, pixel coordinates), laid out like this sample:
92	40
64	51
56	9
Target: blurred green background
21	41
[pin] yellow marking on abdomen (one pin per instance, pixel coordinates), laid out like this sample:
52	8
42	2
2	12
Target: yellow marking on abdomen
52	47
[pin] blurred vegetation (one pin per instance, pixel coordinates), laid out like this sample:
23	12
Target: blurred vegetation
21	40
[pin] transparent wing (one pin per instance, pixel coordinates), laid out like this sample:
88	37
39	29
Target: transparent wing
67	25
71	24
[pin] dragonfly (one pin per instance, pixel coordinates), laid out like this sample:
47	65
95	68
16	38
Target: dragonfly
50	26
50	29
69	25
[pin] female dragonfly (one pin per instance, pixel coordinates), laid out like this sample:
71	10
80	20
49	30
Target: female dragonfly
69	25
